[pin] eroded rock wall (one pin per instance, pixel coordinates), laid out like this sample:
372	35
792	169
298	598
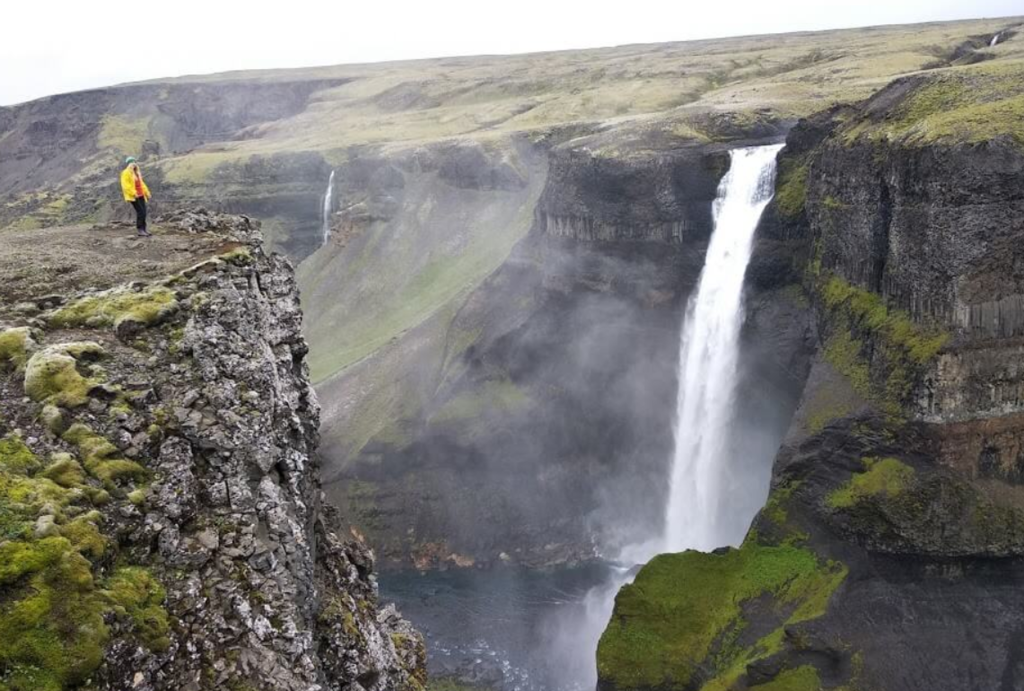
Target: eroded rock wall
184	433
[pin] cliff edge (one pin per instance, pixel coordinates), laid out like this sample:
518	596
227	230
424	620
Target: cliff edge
161	523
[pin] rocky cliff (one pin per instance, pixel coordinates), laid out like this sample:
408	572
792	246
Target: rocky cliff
889	553
504	433
161	519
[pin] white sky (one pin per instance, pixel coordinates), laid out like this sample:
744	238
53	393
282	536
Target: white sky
53	46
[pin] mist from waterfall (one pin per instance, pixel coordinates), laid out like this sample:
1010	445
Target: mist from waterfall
994	41
326	211
699	514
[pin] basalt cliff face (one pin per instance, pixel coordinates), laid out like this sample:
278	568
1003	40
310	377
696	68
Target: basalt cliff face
889	553
513	416
161	519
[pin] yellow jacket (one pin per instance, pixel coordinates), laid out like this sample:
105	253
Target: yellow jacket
128	185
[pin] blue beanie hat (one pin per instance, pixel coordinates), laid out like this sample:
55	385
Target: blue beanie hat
129	160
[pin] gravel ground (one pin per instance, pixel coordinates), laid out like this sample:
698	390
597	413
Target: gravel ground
35	263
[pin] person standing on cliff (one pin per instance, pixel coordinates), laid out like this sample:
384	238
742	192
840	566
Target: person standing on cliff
135	193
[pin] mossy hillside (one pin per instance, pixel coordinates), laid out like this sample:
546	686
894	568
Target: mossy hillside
971	104
148	307
880	350
885	477
53	598
125	135
52	374
500	396
684	613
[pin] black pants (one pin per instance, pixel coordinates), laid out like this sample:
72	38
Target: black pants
140	214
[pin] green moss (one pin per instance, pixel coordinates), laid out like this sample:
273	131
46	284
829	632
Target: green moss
16	457
831	203
683	611
240	256
844	354
113	307
803	678
776	508
52	419
16	345
52	376
883	477
136	593
791	190
98	457
138	496
84	535
123	134
968	105
55	633
862	323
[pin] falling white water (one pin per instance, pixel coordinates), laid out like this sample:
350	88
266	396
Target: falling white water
709	352
698	514
994	41
326	211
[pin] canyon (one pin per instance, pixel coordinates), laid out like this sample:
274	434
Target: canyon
495	257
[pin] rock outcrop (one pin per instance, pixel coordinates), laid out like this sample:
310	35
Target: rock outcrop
890	551
161	519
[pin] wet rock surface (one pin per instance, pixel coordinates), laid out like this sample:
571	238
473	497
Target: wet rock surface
192	440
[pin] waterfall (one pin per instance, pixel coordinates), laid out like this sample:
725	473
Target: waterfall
698	514
994	41
326	211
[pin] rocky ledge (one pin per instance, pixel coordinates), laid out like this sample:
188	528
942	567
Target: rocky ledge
161	521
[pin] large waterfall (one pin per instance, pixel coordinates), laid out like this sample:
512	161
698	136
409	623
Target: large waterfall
704	510
699	514
326	211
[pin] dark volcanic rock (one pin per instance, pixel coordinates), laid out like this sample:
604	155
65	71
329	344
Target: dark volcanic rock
190	450
891	550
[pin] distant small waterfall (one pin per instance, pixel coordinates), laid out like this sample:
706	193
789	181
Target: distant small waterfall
995	40
709	359
326	211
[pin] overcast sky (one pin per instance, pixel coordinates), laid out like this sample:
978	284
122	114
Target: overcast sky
53	46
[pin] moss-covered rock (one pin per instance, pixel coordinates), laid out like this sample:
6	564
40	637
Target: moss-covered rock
880	350
52	375
16	346
16	457
99	457
882	477
679	624
135	593
123	308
